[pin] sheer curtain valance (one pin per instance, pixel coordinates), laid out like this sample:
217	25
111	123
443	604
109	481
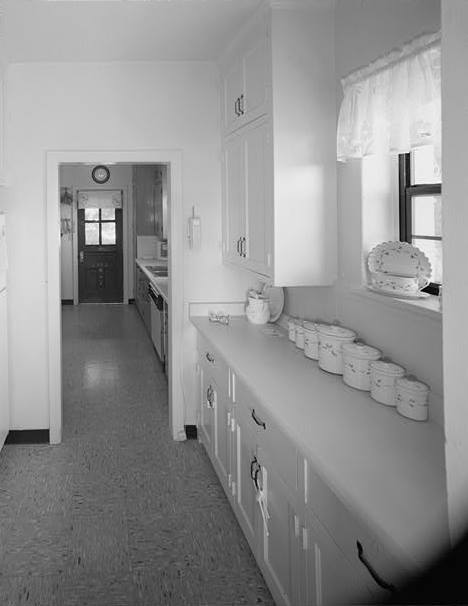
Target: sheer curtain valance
393	105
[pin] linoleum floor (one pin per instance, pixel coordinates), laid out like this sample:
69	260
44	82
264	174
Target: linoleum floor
118	514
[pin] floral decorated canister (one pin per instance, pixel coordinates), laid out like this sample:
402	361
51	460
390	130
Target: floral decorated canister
331	339
383	378
299	335
292	329
412	398
258	310
311	340
357	358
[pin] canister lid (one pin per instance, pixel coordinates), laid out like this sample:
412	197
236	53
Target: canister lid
412	384
361	351
337	332
388	368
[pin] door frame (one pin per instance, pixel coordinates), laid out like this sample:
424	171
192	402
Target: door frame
173	160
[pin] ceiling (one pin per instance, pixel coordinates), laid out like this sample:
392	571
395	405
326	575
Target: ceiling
120	30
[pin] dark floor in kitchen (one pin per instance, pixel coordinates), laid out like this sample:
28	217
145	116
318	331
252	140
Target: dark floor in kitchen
118	514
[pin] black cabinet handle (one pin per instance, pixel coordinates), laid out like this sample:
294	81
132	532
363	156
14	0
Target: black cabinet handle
237	107
375	575
209	357
257	420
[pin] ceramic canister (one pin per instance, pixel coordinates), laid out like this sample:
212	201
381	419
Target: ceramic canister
299	336
357	358
258	310
412	398
383	377
292	328
331	338
311	340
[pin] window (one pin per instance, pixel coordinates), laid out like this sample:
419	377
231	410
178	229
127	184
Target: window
421	208
100	227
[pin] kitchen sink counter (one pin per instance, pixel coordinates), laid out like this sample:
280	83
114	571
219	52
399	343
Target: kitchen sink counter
160	283
388	469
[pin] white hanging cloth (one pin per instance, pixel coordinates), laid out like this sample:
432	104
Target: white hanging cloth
99	198
393	105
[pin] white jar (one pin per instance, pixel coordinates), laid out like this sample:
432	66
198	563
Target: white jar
412	398
258	310
383	378
299	336
292	328
357	358
311	340
331	338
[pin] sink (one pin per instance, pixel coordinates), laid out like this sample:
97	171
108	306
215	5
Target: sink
157	271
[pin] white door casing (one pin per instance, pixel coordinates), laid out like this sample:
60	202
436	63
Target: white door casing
173	160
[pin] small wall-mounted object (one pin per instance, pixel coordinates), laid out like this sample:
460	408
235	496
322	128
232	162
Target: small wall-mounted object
194	231
100	174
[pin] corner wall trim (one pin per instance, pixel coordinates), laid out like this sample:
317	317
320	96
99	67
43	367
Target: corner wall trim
191	432
28	436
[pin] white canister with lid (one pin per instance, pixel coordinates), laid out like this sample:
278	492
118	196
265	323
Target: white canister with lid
412	398
299	336
383	378
311	340
331	339
357	358
292	328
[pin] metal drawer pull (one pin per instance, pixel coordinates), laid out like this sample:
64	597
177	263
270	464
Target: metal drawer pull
241	105
375	575
254	471
209	357
257	420
210	396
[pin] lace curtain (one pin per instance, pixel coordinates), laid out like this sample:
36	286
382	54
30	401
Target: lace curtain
393	105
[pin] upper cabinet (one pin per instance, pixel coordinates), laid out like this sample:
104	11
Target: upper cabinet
279	133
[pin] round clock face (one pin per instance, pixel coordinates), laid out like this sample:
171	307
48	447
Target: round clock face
100	174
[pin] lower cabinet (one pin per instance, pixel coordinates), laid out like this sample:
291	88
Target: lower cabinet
279	503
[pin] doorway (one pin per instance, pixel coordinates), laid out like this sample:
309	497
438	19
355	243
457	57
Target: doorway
173	162
100	248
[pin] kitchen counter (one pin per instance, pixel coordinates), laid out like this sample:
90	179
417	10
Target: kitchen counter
161	284
388	469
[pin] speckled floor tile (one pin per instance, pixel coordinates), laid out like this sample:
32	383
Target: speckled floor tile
118	514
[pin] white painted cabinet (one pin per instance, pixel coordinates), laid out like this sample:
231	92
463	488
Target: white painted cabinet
248	225
279	149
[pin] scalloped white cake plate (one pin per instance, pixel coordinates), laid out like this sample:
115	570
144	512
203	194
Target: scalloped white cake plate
400	259
397	295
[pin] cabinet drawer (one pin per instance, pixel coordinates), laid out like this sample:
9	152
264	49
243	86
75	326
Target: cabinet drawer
353	537
280	450
213	364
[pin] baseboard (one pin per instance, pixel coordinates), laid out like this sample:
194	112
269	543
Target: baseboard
191	432
28	436
67	301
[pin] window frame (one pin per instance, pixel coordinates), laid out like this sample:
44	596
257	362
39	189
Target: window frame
100	221
406	192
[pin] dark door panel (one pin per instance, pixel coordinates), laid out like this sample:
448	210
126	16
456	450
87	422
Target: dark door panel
100	259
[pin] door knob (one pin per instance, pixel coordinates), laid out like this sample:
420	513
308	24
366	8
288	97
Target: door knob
81	256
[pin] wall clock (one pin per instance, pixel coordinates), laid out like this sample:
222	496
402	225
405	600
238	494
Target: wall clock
100	174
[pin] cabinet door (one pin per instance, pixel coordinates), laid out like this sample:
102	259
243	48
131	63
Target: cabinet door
259	209
232	96
222	439
207	411
277	531
328	576
234	199
255	86
246	462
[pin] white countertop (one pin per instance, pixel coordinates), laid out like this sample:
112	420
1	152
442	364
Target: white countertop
161	284
388	469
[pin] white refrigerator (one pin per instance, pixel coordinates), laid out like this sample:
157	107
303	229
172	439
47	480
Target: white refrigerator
4	394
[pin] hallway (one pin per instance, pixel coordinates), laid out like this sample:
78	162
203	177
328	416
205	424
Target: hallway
118	514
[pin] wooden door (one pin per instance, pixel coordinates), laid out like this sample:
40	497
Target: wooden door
258	206
234	199
100	258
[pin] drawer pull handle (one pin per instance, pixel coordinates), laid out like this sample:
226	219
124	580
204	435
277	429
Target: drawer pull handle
375	575
257	420
209	357
254	471
210	396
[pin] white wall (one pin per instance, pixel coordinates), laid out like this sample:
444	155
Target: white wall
118	106
367	193
77	177
455	220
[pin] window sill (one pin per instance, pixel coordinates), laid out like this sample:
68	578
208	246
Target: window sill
428	307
